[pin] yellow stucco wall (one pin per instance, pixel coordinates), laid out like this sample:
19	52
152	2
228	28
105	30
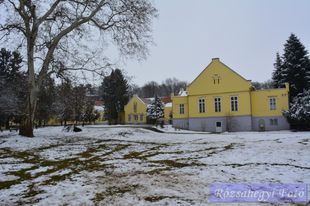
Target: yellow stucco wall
260	101
141	110
229	81
176	101
243	105
218	80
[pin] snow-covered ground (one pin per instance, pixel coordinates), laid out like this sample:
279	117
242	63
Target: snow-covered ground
134	166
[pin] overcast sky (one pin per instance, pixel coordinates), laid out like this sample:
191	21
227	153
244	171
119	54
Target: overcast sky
244	34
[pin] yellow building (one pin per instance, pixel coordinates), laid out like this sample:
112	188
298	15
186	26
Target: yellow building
135	110
219	100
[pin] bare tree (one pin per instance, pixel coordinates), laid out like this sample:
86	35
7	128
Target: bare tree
52	33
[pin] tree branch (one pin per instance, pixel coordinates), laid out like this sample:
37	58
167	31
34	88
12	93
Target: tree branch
49	12
78	22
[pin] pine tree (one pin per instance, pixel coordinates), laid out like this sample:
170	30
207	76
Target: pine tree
299	113
295	68
121	90
12	86
277	74
155	110
114	92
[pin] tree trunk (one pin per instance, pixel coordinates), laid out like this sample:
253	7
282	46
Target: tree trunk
26	128
7	123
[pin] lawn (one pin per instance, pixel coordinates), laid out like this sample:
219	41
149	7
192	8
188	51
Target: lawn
135	166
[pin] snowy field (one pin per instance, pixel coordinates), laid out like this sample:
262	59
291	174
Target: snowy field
133	166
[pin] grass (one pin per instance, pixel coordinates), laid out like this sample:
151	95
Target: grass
113	191
171	163
90	160
84	161
155	198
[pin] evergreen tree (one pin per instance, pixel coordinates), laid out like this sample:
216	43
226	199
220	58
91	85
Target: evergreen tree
295	67
114	92
299	113
277	74
5	57
155	110
12	86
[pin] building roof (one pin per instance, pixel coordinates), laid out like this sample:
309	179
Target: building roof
147	100
169	104
99	108
182	93
166	99
99	103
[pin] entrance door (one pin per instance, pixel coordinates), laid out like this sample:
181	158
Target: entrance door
218	127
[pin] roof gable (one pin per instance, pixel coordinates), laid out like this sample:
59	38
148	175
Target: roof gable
218	78
137	98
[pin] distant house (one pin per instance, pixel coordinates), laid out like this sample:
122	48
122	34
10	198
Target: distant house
135	110
99	108
168	113
219	99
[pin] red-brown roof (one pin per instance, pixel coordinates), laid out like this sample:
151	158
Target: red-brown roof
166	99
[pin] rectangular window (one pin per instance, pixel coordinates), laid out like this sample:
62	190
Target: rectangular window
129	118
181	108
272	103
135	107
202	105
218	124
141	117
274	122
217	104
136	117
234	104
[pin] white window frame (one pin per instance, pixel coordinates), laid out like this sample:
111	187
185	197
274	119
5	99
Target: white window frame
217	104
234	104
181	109
202	105
272	103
